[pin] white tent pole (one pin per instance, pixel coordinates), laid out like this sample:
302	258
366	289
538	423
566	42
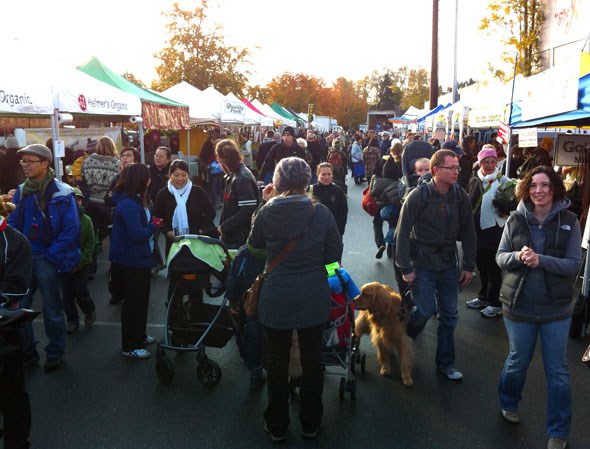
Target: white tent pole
55	137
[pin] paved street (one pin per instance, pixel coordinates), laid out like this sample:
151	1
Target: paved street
99	399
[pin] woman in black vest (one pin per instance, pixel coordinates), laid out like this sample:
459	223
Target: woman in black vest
540	255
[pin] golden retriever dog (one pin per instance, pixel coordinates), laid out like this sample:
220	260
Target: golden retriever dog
379	306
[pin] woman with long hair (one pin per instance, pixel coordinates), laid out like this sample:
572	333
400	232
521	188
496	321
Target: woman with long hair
540	255
131	256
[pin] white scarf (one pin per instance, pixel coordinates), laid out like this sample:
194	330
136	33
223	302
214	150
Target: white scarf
180	217
488	218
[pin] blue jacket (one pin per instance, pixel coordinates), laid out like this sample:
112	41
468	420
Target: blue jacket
56	236
131	234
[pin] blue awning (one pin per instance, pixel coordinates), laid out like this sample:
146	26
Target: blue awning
579	117
439	108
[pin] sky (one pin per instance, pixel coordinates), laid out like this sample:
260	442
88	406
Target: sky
324	38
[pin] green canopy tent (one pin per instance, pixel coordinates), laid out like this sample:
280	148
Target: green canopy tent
157	112
284	113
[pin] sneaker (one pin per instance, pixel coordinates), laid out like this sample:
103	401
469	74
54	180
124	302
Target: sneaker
511	416
491	311
313	433
137	354
380	252
556	443
451	372
256	380
276	437
71	327
149	340
477	304
51	364
31	360
90	318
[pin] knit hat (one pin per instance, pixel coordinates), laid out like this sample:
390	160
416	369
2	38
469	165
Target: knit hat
11	143
37	149
78	192
453	145
487	151
291	173
337	143
288	130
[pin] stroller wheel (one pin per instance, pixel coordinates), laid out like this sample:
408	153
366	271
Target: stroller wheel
363	362
208	373
164	369
352	388
342	388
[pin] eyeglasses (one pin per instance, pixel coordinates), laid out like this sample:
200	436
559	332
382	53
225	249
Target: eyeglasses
453	168
28	162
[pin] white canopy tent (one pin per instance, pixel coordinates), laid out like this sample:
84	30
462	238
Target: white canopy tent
199	114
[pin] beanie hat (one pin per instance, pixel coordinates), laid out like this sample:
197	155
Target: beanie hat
453	145
11	143
288	130
337	144
291	173
487	151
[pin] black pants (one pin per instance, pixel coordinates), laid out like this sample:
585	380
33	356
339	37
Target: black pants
136	291
74	287
490	275
115	283
14	399
312	380
378	230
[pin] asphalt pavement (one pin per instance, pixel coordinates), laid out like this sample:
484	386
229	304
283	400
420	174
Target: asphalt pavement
100	399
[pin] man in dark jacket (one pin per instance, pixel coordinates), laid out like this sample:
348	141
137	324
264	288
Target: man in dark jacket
263	149
47	214
159	180
434	217
287	148
15	277
11	174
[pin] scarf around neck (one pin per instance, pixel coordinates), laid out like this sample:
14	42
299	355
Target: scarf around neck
180	218
488	217
30	187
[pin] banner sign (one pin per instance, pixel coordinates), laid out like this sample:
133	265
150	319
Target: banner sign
75	138
571	149
232	111
310	113
25	99
504	132
527	138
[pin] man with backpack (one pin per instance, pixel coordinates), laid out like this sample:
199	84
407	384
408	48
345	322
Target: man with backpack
434	216
337	159
47	214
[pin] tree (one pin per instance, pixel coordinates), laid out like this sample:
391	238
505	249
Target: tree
196	53
350	103
385	89
296	91
418	89
131	77
519	22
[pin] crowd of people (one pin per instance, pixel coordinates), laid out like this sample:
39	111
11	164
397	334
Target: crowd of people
287	197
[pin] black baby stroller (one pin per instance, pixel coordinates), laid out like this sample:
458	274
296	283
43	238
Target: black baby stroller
340	349
192	324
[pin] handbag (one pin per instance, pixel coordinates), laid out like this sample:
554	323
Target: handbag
250	298
369	202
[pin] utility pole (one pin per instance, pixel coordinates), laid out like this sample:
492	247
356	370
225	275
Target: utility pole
455	87
434	59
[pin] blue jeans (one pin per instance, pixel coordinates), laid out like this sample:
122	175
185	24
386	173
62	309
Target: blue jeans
46	279
432	291
554	338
